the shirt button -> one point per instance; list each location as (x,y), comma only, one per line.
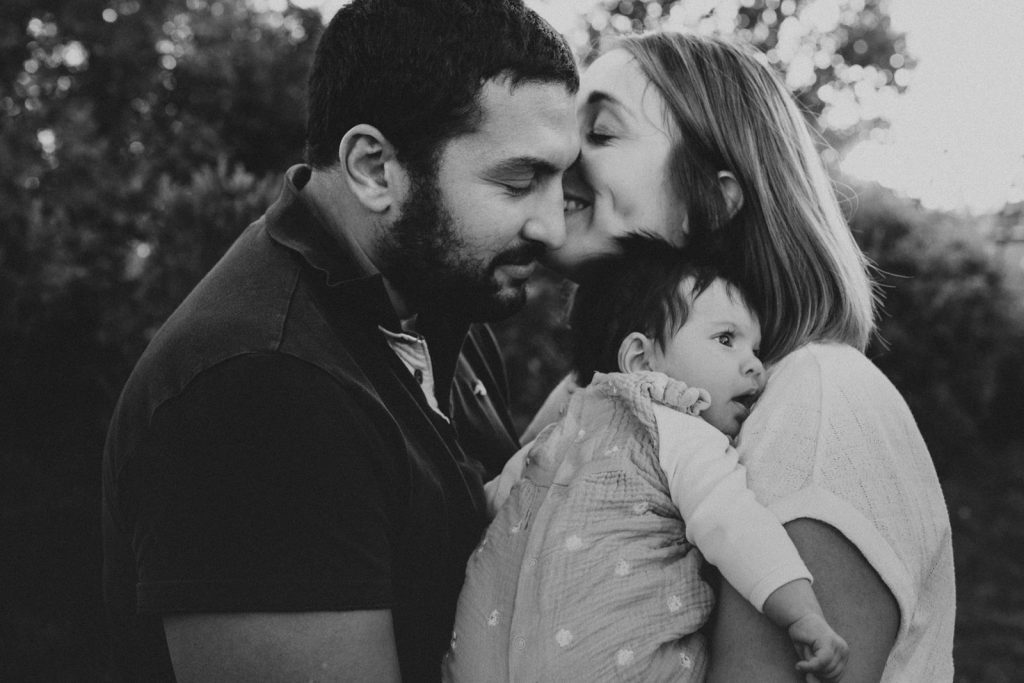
(418,374)
(531,562)
(519,643)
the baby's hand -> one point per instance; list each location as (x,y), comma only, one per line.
(823,651)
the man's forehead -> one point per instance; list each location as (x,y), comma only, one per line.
(528,120)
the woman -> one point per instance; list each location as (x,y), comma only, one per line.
(680,131)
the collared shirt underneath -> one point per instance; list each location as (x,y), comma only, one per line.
(411,349)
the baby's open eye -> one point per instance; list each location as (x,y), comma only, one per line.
(725,338)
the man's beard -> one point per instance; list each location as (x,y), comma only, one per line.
(429,263)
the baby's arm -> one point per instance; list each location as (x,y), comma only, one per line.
(740,536)
(794,607)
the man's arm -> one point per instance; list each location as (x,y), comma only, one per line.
(299,646)
(746,646)
(268,512)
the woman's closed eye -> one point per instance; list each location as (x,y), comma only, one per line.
(602,125)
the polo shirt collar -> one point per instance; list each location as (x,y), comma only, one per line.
(292,223)
(345,269)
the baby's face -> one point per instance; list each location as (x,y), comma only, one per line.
(717,350)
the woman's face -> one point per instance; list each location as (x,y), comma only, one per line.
(621,182)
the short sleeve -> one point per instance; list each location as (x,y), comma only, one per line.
(264,487)
(831,440)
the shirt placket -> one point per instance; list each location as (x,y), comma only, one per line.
(411,349)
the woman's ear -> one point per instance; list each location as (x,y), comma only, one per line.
(731,192)
(371,169)
(635,353)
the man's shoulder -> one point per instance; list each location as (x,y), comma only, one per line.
(253,310)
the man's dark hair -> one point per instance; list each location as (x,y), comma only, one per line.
(636,289)
(414,69)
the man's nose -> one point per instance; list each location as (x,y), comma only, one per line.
(547,224)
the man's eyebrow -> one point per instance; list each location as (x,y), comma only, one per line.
(520,164)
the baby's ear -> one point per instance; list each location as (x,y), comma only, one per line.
(635,353)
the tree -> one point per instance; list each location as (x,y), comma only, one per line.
(841,58)
(137,140)
(951,336)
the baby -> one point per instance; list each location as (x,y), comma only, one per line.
(589,571)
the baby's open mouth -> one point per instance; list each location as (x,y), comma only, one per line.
(748,399)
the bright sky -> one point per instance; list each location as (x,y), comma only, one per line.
(957,135)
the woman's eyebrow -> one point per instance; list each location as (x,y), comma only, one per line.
(598,97)
(601,98)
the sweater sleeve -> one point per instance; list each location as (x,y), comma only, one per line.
(732,530)
(831,440)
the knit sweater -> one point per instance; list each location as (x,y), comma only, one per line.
(832,440)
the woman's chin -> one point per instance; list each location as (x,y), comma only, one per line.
(582,243)
(565,261)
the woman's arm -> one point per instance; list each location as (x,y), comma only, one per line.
(746,646)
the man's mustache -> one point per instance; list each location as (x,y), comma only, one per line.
(521,255)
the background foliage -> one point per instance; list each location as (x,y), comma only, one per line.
(138,139)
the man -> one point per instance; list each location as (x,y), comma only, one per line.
(292,478)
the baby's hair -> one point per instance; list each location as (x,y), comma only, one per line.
(636,289)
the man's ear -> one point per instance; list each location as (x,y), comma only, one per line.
(635,353)
(731,191)
(371,169)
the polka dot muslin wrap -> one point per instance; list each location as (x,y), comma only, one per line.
(585,574)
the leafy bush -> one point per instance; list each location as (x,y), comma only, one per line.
(951,336)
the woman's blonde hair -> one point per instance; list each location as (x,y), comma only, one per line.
(807,277)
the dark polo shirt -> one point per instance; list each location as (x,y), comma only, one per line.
(270,453)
